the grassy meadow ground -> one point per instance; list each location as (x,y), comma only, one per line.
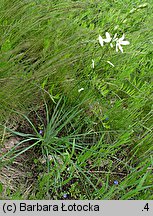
(76,118)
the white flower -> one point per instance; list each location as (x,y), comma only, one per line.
(120,42)
(93,63)
(81,89)
(106,40)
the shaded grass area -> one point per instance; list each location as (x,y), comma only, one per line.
(93,144)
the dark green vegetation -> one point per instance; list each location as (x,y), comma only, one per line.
(70,143)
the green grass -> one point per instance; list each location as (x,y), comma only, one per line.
(90,138)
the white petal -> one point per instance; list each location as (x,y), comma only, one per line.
(93,63)
(115,36)
(119,46)
(101,41)
(124,42)
(110,63)
(107,35)
(111,45)
(108,38)
(81,89)
(122,38)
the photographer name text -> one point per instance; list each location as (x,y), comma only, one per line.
(63,207)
